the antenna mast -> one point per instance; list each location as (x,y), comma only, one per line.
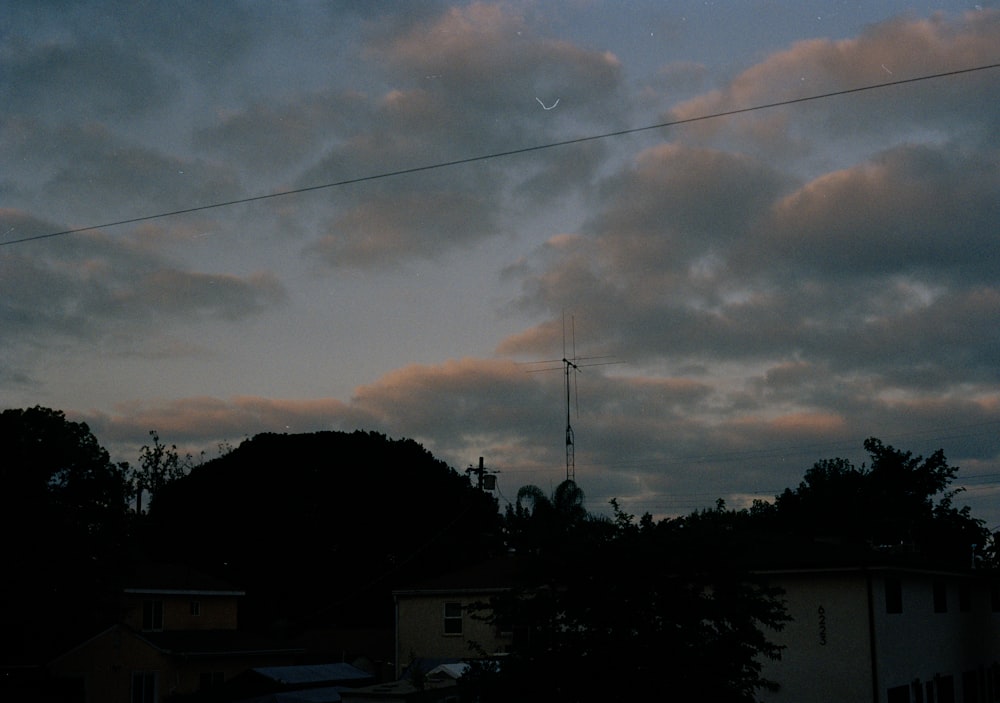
(567,365)
(571,365)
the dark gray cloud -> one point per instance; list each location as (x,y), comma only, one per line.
(82,286)
(776,285)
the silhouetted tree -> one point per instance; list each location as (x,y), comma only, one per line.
(158,466)
(898,501)
(64,517)
(610,607)
(287,517)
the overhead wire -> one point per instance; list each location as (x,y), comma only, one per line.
(501,154)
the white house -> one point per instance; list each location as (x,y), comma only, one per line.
(887,635)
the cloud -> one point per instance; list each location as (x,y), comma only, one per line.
(895,50)
(805,296)
(85,286)
(463,84)
(88,170)
(657,443)
(276,136)
(890,215)
(103,78)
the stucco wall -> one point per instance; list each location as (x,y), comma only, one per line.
(827,655)
(829,643)
(420,629)
(216,612)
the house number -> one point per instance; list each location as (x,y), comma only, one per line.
(822,626)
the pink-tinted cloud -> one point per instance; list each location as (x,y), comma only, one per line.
(891,51)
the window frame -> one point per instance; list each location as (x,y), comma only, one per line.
(452,624)
(939,588)
(144,687)
(893,595)
(152,615)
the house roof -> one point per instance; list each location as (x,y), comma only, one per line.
(487,576)
(313,674)
(162,579)
(195,643)
(769,553)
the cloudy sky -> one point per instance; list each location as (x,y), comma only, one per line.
(764,289)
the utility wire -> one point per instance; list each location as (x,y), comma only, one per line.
(501,154)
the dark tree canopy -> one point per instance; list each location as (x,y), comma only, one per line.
(898,501)
(64,515)
(322,526)
(609,607)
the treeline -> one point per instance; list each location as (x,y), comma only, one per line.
(316,528)
(319,528)
(607,606)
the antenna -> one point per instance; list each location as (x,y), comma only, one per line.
(570,366)
(567,365)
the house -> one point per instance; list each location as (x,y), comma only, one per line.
(886,633)
(866,626)
(177,634)
(435,619)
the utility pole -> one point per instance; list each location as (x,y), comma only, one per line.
(486,480)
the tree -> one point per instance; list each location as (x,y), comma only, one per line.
(158,466)
(63,511)
(899,500)
(656,605)
(277,512)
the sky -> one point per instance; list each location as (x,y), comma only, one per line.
(467,193)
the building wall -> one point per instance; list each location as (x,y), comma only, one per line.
(829,643)
(421,628)
(827,656)
(920,646)
(107,663)
(213,612)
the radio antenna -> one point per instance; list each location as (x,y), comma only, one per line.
(570,365)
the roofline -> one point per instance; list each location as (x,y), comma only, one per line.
(450,591)
(212,653)
(242,652)
(862,569)
(182,591)
(84,643)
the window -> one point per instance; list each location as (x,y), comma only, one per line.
(898,694)
(970,687)
(452,618)
(940,596)
(945,689)
(143,687)
(196,607)
(152,615)
(893,595)
(965,597)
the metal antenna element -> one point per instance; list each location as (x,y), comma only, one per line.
(570,443)
(570,363)
(567,365)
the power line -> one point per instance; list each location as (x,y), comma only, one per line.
(501,154)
